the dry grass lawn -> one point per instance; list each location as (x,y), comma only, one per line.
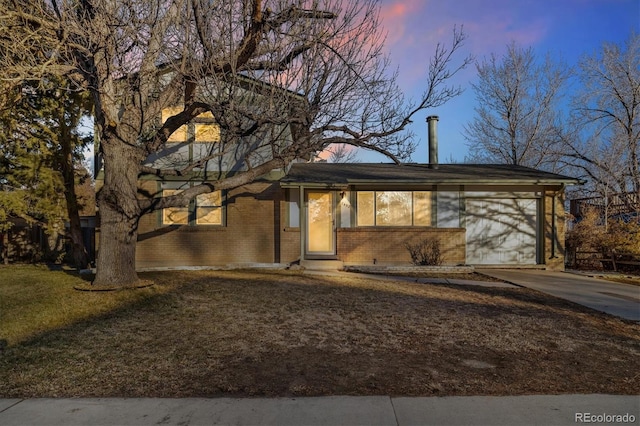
(248,333)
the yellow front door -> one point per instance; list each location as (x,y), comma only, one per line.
(320,223)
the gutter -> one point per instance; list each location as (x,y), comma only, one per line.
(339,185)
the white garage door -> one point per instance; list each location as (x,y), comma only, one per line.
(501,231)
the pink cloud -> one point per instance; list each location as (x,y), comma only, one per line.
(395,16)
(397,9)
(346,150)
(415,27)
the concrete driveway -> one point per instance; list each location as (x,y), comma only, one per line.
(622,300)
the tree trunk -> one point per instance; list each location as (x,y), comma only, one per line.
(4,247)
(115,264)
(119,212)
(79,255)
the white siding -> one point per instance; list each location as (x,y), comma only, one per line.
(502,231)
(448,207)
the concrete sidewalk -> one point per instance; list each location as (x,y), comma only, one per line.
(332,410)
(621,300)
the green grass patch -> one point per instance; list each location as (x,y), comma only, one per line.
(35,299)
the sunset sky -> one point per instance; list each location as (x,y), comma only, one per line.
(564,28)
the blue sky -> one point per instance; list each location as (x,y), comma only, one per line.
(565,29)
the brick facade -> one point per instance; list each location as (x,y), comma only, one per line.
(256,231)
(253,220)
(289,244)
(386,245)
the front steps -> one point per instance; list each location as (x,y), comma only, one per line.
(322,265)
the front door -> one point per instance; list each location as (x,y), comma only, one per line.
(320,223)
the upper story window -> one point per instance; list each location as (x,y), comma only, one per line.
(203,129)
(394,208)
(179,135)
(206,130)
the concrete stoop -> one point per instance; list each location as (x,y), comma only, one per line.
(322,265)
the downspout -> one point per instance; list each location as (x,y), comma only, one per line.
(554,225)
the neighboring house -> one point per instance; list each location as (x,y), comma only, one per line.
(358,214)
(26,242)
(29,241)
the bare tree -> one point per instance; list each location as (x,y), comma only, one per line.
(516,118)
(282,79)
(605,144)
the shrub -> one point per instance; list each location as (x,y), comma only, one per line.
(623,237)
(591,235)
(425,252)
(587,234)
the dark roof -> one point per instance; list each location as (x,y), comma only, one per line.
(388,173)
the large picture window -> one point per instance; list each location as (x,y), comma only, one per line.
(393,208)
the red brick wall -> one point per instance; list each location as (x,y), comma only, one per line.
(386,245)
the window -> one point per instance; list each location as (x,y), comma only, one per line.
(209,208)
(422,208)
(365,212)
(179,135)
(293,208)
(205,129)
(393,208)
(206,209)
(174,215)
(207,133)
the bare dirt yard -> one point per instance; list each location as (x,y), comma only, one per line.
(251,333)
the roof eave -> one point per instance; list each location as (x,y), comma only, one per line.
(537,182)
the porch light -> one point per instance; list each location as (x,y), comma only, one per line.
(344,200)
